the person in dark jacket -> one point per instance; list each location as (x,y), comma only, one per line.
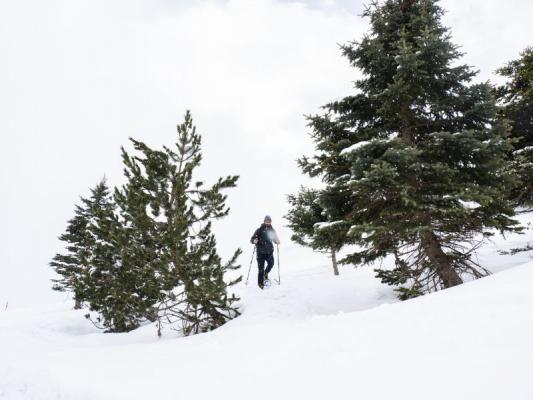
(263,238)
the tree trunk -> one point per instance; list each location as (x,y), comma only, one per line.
(440,260)
(77,304)
(334,262)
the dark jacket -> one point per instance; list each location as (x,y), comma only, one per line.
(266,235)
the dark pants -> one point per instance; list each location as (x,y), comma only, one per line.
(261,258)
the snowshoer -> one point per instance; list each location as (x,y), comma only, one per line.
(263,238)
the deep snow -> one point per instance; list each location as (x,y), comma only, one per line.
(316,336)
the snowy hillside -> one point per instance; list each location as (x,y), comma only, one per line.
(316,336)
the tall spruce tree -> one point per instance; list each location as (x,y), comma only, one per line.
(516,100)
(425,153)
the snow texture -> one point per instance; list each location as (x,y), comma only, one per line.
(470,205)
(316,336)
(523,150)
(354,147)
(324,225)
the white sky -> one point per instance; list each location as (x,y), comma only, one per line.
(78,77)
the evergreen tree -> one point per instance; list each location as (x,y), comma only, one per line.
(318,217)
(171,253)
(112,290)
(516,99)
(75,266)
(72,265)
(311,227)
(146,252)
(426,161)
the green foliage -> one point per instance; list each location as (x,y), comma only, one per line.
(305,213)
(311,223)
(516,99)
(73,265)
(415,159)
(312,218)
(153,255)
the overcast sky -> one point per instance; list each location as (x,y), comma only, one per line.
(77,78)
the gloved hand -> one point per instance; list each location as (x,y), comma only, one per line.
(256,240)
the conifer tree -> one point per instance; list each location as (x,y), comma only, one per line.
(426,156)
(310,225)
(112,290)
(72,265)
(516,99)
(147,252)
(75,266)
(171,248)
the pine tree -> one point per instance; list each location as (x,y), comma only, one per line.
(172,255)
(72,265)
(311,227)
(146,252)
(112,290)
(318,217)
(426,156)
(516,99)
(75,266)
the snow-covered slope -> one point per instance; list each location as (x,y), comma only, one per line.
(314,337)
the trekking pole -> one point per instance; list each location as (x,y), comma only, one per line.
(279,274)
(250,267)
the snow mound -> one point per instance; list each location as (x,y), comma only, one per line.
(316,336)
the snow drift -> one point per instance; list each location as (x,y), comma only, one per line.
(314,337)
